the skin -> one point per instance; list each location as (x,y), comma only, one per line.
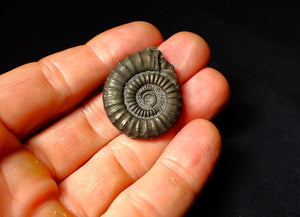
(60,155)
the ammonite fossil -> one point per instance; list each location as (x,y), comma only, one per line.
(141,95)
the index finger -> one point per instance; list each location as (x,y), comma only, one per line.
(37,93)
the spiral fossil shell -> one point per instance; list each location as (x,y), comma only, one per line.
(141,95)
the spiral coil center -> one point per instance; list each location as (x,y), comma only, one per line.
(144,99)
(150,96)
(149,99)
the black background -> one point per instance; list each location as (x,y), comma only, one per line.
(254,44)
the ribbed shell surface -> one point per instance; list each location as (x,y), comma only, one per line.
(141,95)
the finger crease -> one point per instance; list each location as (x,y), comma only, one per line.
(43,158)
(138,201)
(121,165)
(107,51)
(55,76)
(180,171)
(86,112)
(132,158)
(72,203)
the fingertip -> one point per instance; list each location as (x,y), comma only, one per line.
(200,132)
(114,44)
(147,28)
(220,91)
(188,52)
(223,84)
(206,94)
(210,135)
(191,41)
(196,148)
(144,30)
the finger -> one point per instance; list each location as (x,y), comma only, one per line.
(117,165)
(34,94)
(25,182)
(8,143)
(208,92)
(169,188)
(69,143)
(188,53)
(50,207)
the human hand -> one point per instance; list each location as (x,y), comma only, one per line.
(60,155)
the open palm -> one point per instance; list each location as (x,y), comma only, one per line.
(60,155)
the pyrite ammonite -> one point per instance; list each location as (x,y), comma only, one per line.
(141,95)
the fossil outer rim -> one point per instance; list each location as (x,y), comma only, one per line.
(152,101)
